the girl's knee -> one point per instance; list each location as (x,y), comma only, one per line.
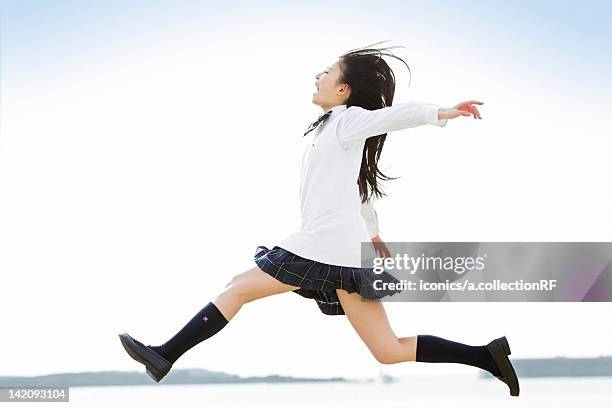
(240,287)
(385,356)
(386,352)
(235,287)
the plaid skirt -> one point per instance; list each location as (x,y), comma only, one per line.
(319,281)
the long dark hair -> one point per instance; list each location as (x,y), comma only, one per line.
(372,84)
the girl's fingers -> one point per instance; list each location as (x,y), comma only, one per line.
(472,109)
(467,110)
(470,102)
(467,106)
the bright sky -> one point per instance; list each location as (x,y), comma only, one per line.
(147,149)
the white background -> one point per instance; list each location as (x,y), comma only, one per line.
(145,151)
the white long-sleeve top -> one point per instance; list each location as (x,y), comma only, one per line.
(332,226)
(370,216)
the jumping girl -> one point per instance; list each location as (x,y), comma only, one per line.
(322,261)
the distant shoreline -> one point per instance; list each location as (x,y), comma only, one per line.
(527,367)
(560,367)
(178,376)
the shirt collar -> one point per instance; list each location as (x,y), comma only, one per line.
(337,108)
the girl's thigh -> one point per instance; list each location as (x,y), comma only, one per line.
(369,319)
(255,284)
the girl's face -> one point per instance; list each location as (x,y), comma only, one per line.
(329,92)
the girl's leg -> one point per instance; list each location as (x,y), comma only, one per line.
(369,320)
(243,288)
(246,287)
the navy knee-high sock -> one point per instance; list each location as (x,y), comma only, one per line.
(206,323)
(433,349)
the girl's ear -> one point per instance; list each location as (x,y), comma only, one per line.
(345,89)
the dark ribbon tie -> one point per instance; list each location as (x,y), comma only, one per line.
(317,122)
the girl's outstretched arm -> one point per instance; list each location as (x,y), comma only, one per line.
(357,124)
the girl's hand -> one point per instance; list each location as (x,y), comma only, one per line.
(462,109)
(380,247)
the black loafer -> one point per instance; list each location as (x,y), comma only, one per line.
(500,350)
(157,366)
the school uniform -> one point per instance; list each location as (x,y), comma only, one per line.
(325,254)
(370,216)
